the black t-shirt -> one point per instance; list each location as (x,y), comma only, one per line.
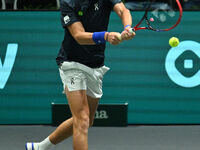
(94,15)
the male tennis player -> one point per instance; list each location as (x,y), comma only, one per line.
(81,64)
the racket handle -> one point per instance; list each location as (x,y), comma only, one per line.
(131,30)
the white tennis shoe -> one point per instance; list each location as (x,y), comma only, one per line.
(32,146)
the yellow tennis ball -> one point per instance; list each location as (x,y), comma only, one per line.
(173,42)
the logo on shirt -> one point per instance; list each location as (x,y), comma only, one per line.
(96,6)
(66,19)
(72,81)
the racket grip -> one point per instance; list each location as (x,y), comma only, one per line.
(131,30)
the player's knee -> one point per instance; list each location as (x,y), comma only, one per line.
(82,123)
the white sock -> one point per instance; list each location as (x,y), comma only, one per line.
(45,144)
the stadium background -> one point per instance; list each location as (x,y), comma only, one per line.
(137,74)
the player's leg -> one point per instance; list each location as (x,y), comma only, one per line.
(65,129)
(62,132)
(93,104)
(80,120)
(80,112)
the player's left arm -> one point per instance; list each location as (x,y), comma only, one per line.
(126,18)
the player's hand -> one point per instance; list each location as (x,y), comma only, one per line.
(114,38)
(127,35)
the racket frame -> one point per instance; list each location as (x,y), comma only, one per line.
(149,27)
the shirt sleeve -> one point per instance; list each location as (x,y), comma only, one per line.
(114,2)
(68,15)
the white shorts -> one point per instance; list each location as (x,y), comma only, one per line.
(76,76)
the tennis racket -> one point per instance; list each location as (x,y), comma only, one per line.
(159,17)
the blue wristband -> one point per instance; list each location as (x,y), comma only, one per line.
(98,37)
(127,26)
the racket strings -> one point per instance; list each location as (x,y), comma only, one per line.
(164,17)
(160,17)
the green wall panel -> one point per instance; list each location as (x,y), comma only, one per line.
(137,74)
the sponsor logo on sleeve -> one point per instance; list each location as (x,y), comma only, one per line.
(66,19)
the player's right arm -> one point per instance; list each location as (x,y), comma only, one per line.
(86,38)
(71,21)
(78,32)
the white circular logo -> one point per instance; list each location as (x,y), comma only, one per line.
(170,64)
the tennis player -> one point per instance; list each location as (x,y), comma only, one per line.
(81,64)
